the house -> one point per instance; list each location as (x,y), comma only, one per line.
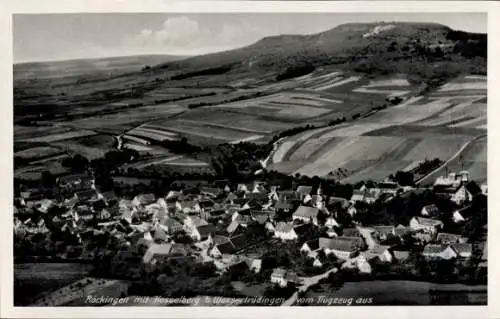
(143,200)
(401,230)
(453,179)
(331,222)
(430,210)
(384,232)
(44,205)
(439,251)
(83,212)
(284,205)
(466,193)
(231,246)
(306,214)
(170,225)
(447,238)
(303,191)
(158,253)
(337,203)
(366,195)
(76,181)
(86,195)
(388,187)
(351,232)
(212,192)
(426,224)
(423,236)
(283,277)
(108,197)
(360,263)
(221,249)
(202,232)
(191,222)
(287,231)
(311,247)
(400,255)
(462,214)
(235,228)
(379,251)
(462,250)
(341,247)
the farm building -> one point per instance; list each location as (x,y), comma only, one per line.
(426,224)
(158,253)
(466,193)
(433,251)
(306,214)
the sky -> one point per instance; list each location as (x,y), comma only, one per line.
(43,37)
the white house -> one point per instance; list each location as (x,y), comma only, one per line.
(439,251)
(466,193)
(285,231)
(282,277)
(306,214)
(379,251)
(331,222)
(461,215)
(426,224)
(430,210)
(359,263)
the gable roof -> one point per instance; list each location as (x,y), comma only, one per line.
(313,244)
(304,189)
(466,211)
(401,254)
(240,241)
(225,248)
(197,221)
(302,229)
(306,212)
(219,239)
(283,227)
(351,232)
(164,249)
(145,199)
(434,248)
(383,229)
(431,209)
(205,230)
(462,248)
(339,243)
(233,226)
(428,221)
(441,237)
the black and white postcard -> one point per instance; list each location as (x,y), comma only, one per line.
(223,155)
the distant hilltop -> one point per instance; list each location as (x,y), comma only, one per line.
(385,47)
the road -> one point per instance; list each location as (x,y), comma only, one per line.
(449,160)
(306,283)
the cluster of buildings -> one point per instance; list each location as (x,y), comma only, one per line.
(225,222)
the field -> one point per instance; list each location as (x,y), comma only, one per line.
(420,128)
(36,278)
(37,152)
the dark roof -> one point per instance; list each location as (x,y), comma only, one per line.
(462,248)
(431,209)
(288,195)
(239,242)
(313,244)
(206,204)
(445,189)
(206,230)
(86,194)
(99,205)
(466,212)
(351,232)
(214,191)
(233,226)
(451,238)
(434,248)
(110,195)
(261,196)
(302,229)
(219,239)
(386,230)
(473,188)
(225,248)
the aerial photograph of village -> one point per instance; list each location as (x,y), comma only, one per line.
(250,159)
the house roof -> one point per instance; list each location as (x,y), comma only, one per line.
(431,209)
(445,189)
(88,193)
(233,226)
(302,229)
(313,244)
(205,230)
(401,254)
(240,241)
(197,221)
(225,248)
(145,199)
(164,249)
(171,222)
(466,212)
(428,221)
(386,230)
(462,248)
(434,248)
(278,272)
(349,244)
(351,232)
(219,239)
(214,191)
(378,249)
(306,212)
(441,237)
(109,195)
(304,189)
(473,188)
(75,178)
(338,200)
(283,227)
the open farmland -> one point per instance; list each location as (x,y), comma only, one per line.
(37,152)
(420,128)
(127,119)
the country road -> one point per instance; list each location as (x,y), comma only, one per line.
(460,151)
(306,283)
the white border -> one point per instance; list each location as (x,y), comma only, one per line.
(61,6)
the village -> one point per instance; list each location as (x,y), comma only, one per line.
(236,227)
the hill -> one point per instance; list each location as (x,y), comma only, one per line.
(416,48)
(78,67)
